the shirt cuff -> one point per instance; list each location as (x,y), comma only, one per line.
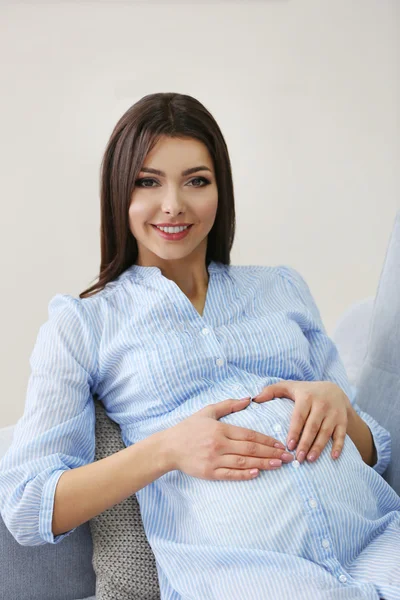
(380,435)
(47,509)
(382,441)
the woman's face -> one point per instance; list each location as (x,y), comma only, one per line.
(171,196)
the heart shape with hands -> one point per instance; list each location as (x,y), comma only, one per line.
(321,411)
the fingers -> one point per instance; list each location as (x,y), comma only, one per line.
(234,474)
(237,467)
(234,462)
(226,407)
(233,432)
(240,466)
(282,389)
(239,451)
(339,436)
(317,433)
(313,450)
(299,417)
(310,431)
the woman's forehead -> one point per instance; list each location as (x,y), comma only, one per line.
(172,154)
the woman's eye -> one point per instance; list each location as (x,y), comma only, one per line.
(148,182)
(201,179)
(142,182)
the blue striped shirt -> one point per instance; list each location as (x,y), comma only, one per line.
(329,529)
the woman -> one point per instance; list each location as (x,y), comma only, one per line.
(239,499)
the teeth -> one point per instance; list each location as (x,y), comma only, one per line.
(173,229)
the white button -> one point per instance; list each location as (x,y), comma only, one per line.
(296,464)
(325,543)
(312,503)
(220,362)
(277,428)
(205,331)
(342,578)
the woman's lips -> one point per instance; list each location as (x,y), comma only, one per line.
(173,236)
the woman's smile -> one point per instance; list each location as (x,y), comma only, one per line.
(175,235)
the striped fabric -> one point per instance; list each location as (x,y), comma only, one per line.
(323,530)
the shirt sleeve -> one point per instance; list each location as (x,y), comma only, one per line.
(328,366)
(57,429)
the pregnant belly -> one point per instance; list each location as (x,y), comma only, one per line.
(270,512)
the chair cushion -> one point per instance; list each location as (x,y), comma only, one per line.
(379,380)
(123,561)
(50,572)
(351,335)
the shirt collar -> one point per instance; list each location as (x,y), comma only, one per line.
(140,272)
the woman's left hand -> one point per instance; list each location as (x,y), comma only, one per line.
(321,411)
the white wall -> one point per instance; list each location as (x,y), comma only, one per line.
(306,93)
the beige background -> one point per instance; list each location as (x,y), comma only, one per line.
(307,94)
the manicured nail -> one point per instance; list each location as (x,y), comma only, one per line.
(275,462)
(336,454)
(287,457)
(279,445)
(312,456)
(301,455)
(292,444)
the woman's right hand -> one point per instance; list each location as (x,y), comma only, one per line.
(203,447)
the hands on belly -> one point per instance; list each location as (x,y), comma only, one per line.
(203,447)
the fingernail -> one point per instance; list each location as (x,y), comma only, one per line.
(292,444)
(312,456)
(279,445)
(286,456)
(336,454)
(301,455)
(275,462)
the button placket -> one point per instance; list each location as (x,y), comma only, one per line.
(322,544)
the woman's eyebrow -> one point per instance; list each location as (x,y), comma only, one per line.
(186,172)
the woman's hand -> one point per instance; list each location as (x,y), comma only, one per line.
(203,447)
(321,410)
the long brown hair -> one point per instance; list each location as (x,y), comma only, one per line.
(135,134)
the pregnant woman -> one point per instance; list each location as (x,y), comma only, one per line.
(276,497)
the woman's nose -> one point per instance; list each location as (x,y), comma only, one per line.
(172,203)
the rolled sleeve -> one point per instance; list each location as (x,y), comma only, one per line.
(382,441)
(57,430)
(380,435)
(47,508)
